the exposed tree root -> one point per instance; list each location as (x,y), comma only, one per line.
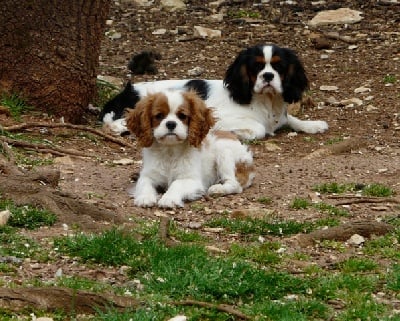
(345,146)
(220,307)
(345,231)
(39,188)
(100,133)
(67,300)
(43,148)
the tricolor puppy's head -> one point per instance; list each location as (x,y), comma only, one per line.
(170,117)
(266,69)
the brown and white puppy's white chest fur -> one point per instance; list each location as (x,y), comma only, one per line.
(180,153)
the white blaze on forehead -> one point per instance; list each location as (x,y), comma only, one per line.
(175,100)
(267,51)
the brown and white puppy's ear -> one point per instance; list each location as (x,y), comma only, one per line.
(201,119)
(138,121)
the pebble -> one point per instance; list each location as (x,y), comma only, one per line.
(178,318)
(356,239)
(328,88)
(4,216)
(360,90)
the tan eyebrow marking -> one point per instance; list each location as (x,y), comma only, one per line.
(260,59)
(275,59)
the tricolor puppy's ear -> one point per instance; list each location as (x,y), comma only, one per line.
(138,121)
(295,80)
(201,118)
(237,79)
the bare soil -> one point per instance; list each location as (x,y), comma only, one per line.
(288,165)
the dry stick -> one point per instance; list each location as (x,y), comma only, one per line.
(336,36)
(43,148)
(358,199)
(71,126)
(220,307)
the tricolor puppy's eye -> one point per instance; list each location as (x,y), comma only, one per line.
(182,116)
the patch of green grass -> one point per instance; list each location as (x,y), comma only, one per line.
(27,216)
(185,235)
(389,79)
(113,247)
(362,307)
(264,200)
(375,189)
(358,265)
(386,246)
(243,14)
(16,104)
(300,203)
(393,278)
(333,188)
(265,253)
(253,142)
(81,283)
(330,209)
(16,245)
(334,140)
(260,227)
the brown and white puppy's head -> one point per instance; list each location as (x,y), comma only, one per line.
(170,117)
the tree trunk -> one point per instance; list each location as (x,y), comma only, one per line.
(49,53)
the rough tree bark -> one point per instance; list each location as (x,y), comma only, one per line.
(49,53)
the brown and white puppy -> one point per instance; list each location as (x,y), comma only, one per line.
(180,153)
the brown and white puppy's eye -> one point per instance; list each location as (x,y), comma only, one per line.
(182,116)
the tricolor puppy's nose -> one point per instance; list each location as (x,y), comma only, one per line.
(268,76)
(170,125)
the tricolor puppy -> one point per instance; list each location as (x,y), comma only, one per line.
(181,155)
(251,101)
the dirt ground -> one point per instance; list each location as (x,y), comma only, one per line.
(287,165)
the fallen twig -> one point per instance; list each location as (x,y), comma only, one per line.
(100,133)
(337,36)
(353,199)
(220,307)
(43,148)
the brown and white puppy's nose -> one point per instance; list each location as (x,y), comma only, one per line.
(171,125)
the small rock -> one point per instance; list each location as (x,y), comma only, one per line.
(331,100)
(44,319)
(161,31)
(195,72)
(321,43)
(59,273)
(328,88)
(113,35)
(351,101)
(370,108)
(338,16)
(213,229)
(195,225)
(214,249)
(173,5)
(361,90)
(4,216)
(178,318)
(356,239)
(271,147)
(124,161)
(352,47)
(206,32)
